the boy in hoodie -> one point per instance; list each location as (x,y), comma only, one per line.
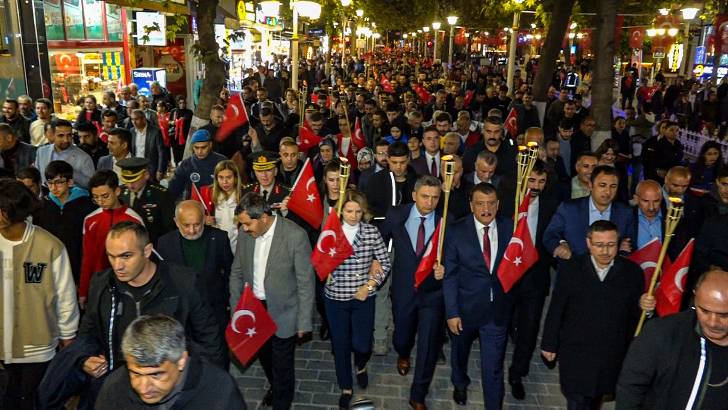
(105,192)
(63,210)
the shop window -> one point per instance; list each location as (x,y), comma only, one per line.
(113,22)
(73,19)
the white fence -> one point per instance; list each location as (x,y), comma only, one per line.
(692,141)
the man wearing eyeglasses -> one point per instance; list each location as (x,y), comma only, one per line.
(592,316)
(105,192)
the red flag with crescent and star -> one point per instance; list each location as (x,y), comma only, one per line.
(429,258)
(386,84)
(235,116)
(307,139)
(636,34)
(305,200)
(672,283)
(421,92)
(332,247)
(250,327)
(468,98)
(358,136)
(647,257)
(520,254)
(511,123)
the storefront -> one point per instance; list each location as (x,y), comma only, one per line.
(86,50)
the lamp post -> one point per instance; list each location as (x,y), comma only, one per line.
(451,20)
(688,14)
(305,8)
(436,26)
(512,48)
(344,26)
(425,30)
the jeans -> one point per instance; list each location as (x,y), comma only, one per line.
(351,324)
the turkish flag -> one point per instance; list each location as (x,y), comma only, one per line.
(429,258)
(672,283)
(511,123)
(386,85)
(250,327)
(358,136)
(163,121)
(235,116)
(520,253)
(424,95)
(636,35)
(647,257)
(307,139)
(468,97)
(179,130)
(305,200)
(332,247)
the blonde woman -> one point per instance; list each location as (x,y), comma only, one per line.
(350,292)
(220,199)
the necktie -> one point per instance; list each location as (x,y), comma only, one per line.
(486,247)
(132,198)
(420,246)
(433,168)
(265,194)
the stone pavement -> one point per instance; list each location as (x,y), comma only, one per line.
(316,382)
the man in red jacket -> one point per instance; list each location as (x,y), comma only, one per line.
(105,191)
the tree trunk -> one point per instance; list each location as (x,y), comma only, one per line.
(214,77)
(602,80)
(551,46)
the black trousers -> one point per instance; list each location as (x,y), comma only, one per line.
(277,356)
(18,384)
(528,307)
(580,402)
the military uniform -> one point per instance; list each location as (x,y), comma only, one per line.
(265,161)
(153,203)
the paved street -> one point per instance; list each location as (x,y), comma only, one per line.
(316,383)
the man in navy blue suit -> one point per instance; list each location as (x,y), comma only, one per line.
(475,304)
(565,234)
(417,312)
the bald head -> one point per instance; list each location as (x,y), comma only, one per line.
(648,196)
(711,305)
(534,134)
(190,219)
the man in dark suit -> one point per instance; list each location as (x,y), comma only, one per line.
(564,236)
(429,163)
(418,313)
(592,316)
(459,205)
(147,143)
(530,292)
(206,250)
(649,220)
(486,163)
(475,304)
(379,189)
(272,255)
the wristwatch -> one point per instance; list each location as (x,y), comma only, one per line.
(370,287)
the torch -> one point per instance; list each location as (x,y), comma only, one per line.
(448,171)
(527,155)
(344,172)
(673,218)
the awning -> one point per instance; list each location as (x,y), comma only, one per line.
(171,7)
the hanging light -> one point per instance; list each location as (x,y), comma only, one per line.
(651,32)
(269,8)
(405,35)
(689,13)
(571,36)
(573,25)
(452,20)
(436,25)
(426,29)
(307,8)
(672,32)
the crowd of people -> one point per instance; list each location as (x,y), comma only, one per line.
(127,239)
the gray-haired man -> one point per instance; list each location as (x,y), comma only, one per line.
(159,371)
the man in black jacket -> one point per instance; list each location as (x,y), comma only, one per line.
(592,316)
(133,286)
(11,116)
(206,250)
(681,361)
(160,371)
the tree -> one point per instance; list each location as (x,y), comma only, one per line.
(558,23)
(207,51)
(602,79)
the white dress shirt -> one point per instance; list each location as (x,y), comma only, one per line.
(602,273)
(350,231)
(493,236)
(431,158)
(260,260)
(140,140)
(533,218)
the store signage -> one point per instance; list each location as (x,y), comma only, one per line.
(658,53)
(316,32)
(143,78)
(147,21)
(699,55)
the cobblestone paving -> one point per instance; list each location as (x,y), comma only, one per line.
(316,383)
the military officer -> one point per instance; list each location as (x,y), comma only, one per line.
(150,200)
(265,168)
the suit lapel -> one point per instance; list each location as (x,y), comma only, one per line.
(475,241)
(275,245)
(502,242)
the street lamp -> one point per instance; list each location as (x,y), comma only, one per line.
(304,8)
(451,20)
(346,3)
(436,26)
(688,14)
(360,13)
(512,48)
(269,8)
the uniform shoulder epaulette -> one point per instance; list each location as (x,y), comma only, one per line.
(248,186)
(159,187)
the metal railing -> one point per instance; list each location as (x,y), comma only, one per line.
(692,142)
